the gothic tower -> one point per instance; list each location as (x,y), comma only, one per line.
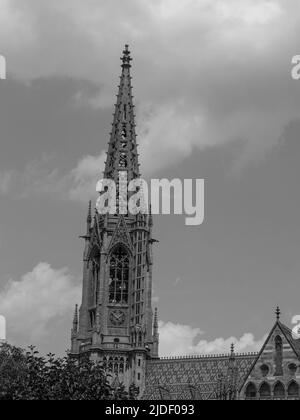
(115,323)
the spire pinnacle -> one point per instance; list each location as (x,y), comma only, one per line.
(122,156)
(88,221)
(75,321)
(232,349)
(89,216)
(150,217)
(278,313)
(155,324)
(126,59)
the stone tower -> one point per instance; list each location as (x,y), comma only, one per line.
(115,323)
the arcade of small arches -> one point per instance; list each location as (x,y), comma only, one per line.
(138,337)
(117,365)
(278,391)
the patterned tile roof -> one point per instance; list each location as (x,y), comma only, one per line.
(191,377)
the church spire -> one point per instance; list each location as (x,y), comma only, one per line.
(122,152)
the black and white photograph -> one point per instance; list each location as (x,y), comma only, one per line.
(150,203)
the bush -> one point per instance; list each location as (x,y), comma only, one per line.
(28,376)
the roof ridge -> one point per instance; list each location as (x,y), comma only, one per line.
(289,336)
(207,356)
(284,326)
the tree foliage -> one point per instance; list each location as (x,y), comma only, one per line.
(26,375)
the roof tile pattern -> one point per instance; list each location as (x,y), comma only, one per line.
(191,378)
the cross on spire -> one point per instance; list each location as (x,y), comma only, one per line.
(278,313)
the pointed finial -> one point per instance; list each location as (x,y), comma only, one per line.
(155,324)
(150,216)
(126,59)
(89,217)
(75,322)
(278,313)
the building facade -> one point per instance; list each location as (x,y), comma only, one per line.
(116,323)
(275,373)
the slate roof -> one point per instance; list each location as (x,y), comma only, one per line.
(185,378)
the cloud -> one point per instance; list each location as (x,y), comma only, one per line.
(38,299)
(16,26)
(206,74)
(41,177)
(178,281)
(85,177)
(155,300)
(166,132)
(6,180)
(250,12)
(179,340)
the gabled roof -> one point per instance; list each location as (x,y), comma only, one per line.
(121,235)
(289,337)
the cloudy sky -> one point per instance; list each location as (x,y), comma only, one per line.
(215,100)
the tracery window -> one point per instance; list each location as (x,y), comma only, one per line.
(119,277)
(278,356)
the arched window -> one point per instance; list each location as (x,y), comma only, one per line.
(293,390)
(278,356)
(250,392)
(279,391)
(119,277)
(265,391)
